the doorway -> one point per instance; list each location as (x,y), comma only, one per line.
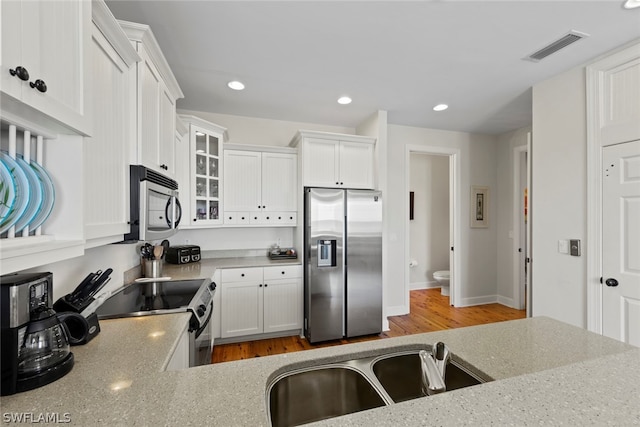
(452,241)
(521,231)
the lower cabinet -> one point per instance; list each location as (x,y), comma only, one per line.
(180,358)
(260,300)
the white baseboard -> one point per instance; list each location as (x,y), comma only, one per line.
(397,310)
(385,325)
(509,302)
(487,299)
(423,285)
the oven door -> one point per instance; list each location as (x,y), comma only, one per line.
(201,342)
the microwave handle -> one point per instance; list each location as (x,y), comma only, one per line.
(169,217)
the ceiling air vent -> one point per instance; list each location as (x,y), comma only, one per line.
(553,47)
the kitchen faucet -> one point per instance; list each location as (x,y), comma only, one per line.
(434,364)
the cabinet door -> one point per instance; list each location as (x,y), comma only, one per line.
(242,180)
(279,182)
(148,112)
(167,138)
(320,162)
(205,176)
(241,308)
(282,305)
(356,165)
(106,153)
(54,41)
(216,316)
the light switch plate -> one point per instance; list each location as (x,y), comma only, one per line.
(575,247)
(563,246)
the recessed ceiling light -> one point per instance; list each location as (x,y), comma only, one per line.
(344,100)
(631,4)
(440,107)
(236,85)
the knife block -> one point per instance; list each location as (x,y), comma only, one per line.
(94,327)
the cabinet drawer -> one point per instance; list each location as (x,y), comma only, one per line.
(282,272)
(241,275)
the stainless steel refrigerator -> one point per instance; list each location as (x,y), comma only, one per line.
(343,263)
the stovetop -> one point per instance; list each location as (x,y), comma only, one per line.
(142,299)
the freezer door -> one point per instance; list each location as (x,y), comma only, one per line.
(324,272)
(363,263)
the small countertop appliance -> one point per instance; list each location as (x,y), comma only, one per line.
(35,339)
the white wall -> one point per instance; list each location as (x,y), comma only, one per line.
(558,199)
(429,229)
(504,214)
(257,131)
(477,271)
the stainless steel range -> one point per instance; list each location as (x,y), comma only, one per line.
(173,296)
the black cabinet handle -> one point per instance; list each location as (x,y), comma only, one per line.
(242,275)
(342,183)
(242,217)
(260,285)
(337,183)
(195,219)
(279,217)
(20,72)
(265,285)
(263,207)
(283,272)
(165,167)
(267,217)
(40,85)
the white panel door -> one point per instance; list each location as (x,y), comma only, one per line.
(279,182)
(620,112)
(241,308)
(356,165)
(242,181)
(282,305)
(621,242)
(320,162)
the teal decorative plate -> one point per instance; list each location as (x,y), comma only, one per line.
(7,193)
(48,196)
(22,191)
(35,191)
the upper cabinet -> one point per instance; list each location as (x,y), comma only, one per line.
(335,160)
(157,91)
(44,77)
(260,186)
(199,178)
(614,96)
(107,152)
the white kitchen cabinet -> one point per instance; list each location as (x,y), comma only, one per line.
(200,183)
(614,83)
(107,151)
(335,160)
(180,357)
(44,71)
(157,92)
(216,316)
(259,300)
(260,187)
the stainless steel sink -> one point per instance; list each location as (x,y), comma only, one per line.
(330,390)
(400,376)
(318,393)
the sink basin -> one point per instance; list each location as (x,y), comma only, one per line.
(400,375)
(317,393)
(330,390)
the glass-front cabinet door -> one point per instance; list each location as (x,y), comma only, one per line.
(206,155)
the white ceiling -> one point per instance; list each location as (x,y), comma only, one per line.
(297,58)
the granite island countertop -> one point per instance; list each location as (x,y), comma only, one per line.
(545,372)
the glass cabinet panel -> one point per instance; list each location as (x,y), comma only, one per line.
(205,176)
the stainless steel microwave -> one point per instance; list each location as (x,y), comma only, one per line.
(155,209)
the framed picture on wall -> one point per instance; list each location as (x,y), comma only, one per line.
(479,207)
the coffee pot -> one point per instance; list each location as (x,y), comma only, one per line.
(45,349)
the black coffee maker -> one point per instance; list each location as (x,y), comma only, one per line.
(35,339)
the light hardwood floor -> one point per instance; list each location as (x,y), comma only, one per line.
(430,311)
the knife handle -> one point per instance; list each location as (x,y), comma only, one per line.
(76,292)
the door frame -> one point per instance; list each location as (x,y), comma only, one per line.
(455,225)
(518,223)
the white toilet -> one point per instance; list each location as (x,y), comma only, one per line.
(442,277)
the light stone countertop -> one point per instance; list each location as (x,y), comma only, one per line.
(546,372)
